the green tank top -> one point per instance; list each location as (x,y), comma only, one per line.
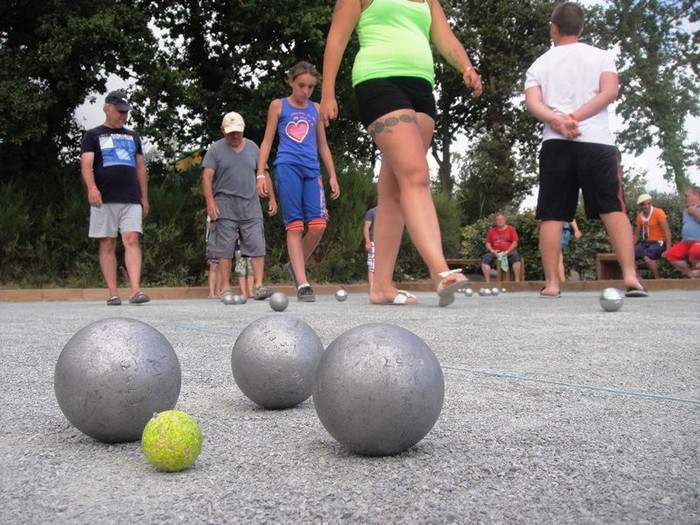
(394,41)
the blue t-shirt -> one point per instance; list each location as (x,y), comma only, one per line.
(296,129)
(691,227)
(115,162)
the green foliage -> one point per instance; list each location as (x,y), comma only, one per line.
(173,235)
(580,255)
(15,229)
(474,238)
(658,70)
(502,39)
(214,56)
(219,56)
(341,256)
(52,56)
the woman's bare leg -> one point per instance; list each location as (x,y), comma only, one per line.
(404,197)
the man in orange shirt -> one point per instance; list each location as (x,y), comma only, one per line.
(652,236)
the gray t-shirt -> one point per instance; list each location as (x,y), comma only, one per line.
(234,180)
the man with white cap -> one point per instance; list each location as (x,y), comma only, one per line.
(229,186)
(652,235)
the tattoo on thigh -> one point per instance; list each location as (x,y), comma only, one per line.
(379,126)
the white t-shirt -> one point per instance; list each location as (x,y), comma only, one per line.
(569,76)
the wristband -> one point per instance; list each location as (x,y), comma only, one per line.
(260,177)
(466,68)
(92,187)
(573,117)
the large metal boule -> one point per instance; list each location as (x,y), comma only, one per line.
(379,389)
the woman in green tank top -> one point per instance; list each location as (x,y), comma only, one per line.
(393,76)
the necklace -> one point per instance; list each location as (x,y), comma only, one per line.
(645,223)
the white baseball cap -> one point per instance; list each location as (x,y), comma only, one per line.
(232,122)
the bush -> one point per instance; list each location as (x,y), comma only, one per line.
(44,243)
(580,256)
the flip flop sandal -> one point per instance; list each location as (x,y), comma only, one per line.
(446,292)
(114,301)
(402,299)
(139,298)
(636,292)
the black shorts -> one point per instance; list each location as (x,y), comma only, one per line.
(379,96)
(567,167)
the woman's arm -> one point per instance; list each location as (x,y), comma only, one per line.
(451,48)
(345,17)
(325,153)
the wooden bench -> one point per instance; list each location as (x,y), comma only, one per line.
(454,264)
(476,263)
(510,275)
(607,267)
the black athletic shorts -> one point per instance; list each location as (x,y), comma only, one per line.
(379,96)
(565,168)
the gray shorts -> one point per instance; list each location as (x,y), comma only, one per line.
(112,218)
(224,232)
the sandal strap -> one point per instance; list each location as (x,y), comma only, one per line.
(442,275)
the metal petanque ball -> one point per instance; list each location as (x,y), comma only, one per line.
(503,290)
(468,292)
(112,375)
(274,360)
(239,299)
(379,389)
(482,292)
(228,299)
(494,291)
(341,295)
(487,292)
(279,302)
(611,299)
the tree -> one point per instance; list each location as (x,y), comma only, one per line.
(503,38)
(658,68)
(53,55)
(219,56)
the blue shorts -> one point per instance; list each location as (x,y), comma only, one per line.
(300,192)
(651,249)
(565,238)
(489,258)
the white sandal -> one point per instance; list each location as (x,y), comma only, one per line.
(446,292)
(402,298)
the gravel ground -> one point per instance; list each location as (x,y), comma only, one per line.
(555,412)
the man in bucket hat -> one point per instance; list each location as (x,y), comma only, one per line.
(652,235)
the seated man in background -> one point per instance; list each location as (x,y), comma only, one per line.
(689,246)
(502,244)
(652,236)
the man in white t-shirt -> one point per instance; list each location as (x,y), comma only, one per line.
(569,88)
